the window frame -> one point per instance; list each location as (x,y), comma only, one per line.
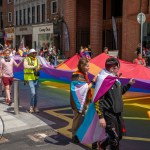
(9,16)
(9,1)
(52,2)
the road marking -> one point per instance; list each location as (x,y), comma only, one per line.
(136,138)
(136,118)
(52,87)
(136,98)
(66,130)
(139,105)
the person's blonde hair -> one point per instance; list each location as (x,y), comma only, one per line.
(82,63)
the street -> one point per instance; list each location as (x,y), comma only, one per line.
(54,106)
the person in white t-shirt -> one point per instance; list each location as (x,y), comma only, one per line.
(6,73)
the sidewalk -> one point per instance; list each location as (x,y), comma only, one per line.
(22,121)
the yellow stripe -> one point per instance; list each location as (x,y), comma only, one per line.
(137,98)
(136,118)
(136,138)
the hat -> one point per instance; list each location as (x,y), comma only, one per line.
(32,51)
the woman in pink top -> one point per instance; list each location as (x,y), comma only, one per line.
(6,73)
(139,60)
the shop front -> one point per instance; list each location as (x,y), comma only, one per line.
(23,33)
(42,36)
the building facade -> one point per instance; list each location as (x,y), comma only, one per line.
(27,15)
(90,23)
(69,24)
(38,22)
(7,22)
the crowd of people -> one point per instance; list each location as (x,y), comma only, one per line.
(31,73)
(107,99)
(50,54)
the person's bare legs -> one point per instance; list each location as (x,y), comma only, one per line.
(7,90)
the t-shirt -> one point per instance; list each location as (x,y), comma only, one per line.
(7,67)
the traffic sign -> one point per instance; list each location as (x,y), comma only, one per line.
(141,18)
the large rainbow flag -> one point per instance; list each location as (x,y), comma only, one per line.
(128,70)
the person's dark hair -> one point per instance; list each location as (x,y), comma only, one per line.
(138,52)
(82,63)
(111,62)
(105,48)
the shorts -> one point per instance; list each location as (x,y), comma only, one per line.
(7,80)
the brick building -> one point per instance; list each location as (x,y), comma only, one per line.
(90,23)
(73,23)
(7,21)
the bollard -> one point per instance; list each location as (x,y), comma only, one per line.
(16,96)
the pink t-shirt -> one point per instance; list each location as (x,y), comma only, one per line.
(7,67)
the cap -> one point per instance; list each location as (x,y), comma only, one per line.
(32,51)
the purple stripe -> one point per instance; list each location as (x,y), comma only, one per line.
(105,86)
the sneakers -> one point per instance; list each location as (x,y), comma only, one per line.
(33,110)
(36,110)
(75,139)
(94,146)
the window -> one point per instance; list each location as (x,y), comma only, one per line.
(1,20)
(20,17)
(53,7)
(38,13)
(28,15)
(33,14)
(24,16)
(16,18)
(10,17)
(1,2)
(9,1)
(116,8)
(43,12)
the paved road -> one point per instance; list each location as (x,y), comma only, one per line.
(54,106)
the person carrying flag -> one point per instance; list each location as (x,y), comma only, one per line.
(31,75)
(80,95)
(103,120)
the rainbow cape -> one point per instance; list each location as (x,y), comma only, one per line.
(90,130)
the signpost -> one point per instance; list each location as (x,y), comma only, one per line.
(141,18)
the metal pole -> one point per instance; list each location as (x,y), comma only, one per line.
(141,25)
(16,96)
(141,35)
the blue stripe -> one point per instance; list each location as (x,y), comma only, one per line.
(87,122)
(75,98)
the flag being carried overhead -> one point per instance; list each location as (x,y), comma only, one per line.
(114,30)
(21,46)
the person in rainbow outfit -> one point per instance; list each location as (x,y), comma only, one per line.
(103,120)
(80,95)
